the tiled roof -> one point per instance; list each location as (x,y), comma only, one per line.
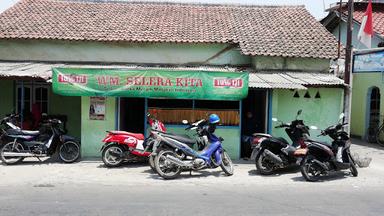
(377,17)
(288,31)
(359,11)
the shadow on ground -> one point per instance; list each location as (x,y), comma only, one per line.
(277,173)
(363,143)
(332,176)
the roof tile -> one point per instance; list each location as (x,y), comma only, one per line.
(288,31)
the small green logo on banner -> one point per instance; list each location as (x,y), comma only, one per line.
(150,83)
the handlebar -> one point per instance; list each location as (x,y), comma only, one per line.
(195,125)
(282,125)
(333,127)
(52,121)
(7,118)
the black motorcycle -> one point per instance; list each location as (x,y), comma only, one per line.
(8,122)
(321,158)
(49,139)
(272,153)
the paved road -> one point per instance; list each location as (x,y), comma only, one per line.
(88,188)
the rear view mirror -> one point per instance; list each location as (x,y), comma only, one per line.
(341,116)
(185,121)
(299,112)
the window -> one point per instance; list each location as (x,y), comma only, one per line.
(35,94)
(41,98)
(171,111)
(27,98)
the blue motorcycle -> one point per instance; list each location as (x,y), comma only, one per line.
(178,155)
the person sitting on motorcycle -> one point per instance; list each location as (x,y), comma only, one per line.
(210,128)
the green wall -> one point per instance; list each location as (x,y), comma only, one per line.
(6,97)
(69,106)
(135,53)
(321,112)
(361,83)
(58,105)
(93,131)
(231,136)
(266,63)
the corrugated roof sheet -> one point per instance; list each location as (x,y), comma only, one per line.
(263,80)
(292,80)
(43,70)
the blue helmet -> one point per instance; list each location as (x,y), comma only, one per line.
(213,119)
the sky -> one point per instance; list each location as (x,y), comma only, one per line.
(315,7)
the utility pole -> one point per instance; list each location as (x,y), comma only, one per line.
(348,66)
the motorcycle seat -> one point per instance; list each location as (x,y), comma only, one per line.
(322,143)
(136,135)
(282,140)
(22,132)
(182,138)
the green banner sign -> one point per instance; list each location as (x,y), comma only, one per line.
(150,83)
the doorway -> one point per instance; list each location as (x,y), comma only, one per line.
(373,112)
(253,118)
(132,111)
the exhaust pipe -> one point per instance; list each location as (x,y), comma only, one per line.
(22,154)
(276,159)
(177,161)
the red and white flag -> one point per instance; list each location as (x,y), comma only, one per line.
(366,28)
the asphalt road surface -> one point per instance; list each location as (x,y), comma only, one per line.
(89,188)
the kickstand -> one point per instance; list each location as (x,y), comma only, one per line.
(39,159)
(190,172)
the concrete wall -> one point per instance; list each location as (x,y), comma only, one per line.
(69,106)
(93,131)
(356,43)
(57,105)
(153,53)
(362,82)
(7,97)
(261,63)
(321,112)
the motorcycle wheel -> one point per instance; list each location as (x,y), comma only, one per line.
(111,160)
(353,168)
(69,152)
(263,165)
(214,164)
(165,168)
(226,163)
(8,148)
(379,136)
(151,161)
(310,171)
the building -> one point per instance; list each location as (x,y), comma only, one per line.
(367,105)
(336,22)
(368,87)
(285,51)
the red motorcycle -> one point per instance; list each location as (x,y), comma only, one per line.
(120,146)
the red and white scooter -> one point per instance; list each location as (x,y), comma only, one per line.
(120,146)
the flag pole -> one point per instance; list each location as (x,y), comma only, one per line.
(348,66)
(339,41)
